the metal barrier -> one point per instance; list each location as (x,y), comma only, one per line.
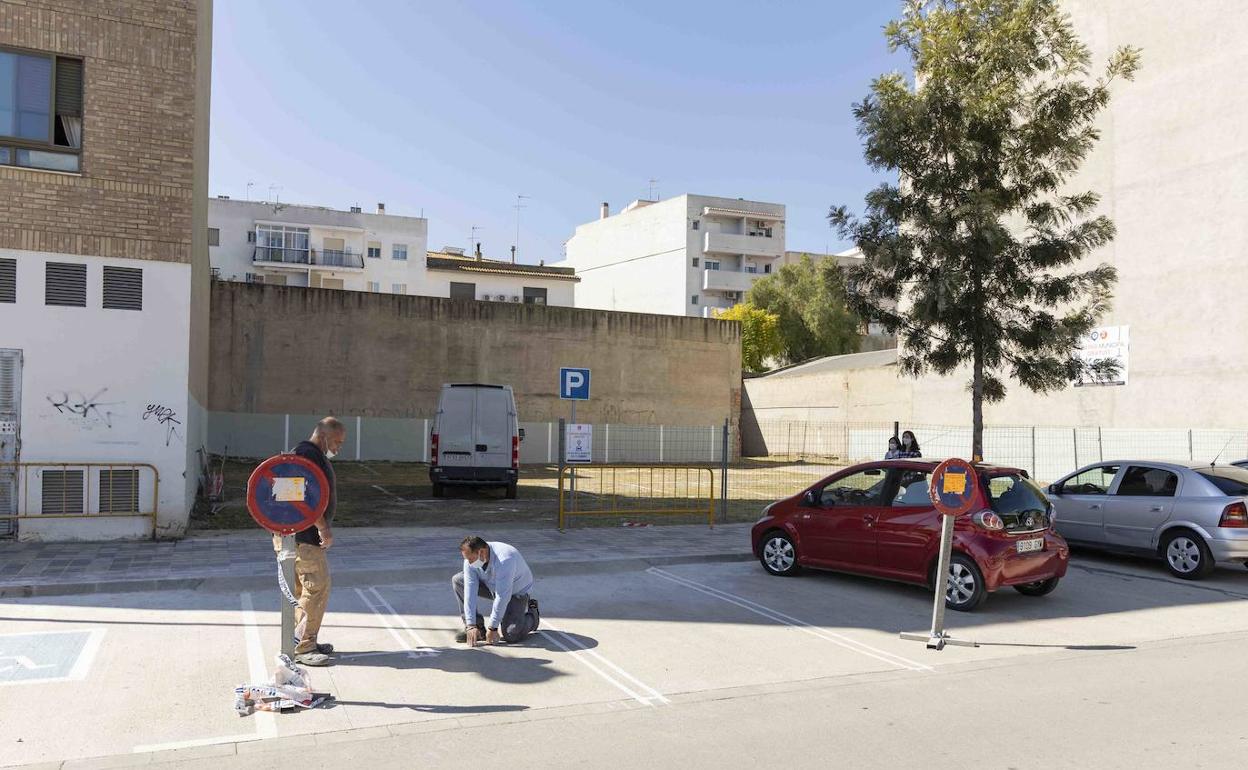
(636,490)
(117,496)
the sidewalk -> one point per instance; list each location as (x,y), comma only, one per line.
(241,560)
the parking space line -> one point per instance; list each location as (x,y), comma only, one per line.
(581,653)
(788,620)
(392,620)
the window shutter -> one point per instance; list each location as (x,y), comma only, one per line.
(62,492)
(8,383)
(123,288)
(8,280)
(214,236)
(119,491)
(69,87)
(65,285)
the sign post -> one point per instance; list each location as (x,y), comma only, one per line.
(287,494)
(574,386)
(953,492)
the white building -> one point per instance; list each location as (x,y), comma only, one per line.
(451,273)
(315,246)
(689,255)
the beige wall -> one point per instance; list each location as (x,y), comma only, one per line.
(313,351)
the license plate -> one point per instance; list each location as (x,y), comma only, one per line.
(1028,546)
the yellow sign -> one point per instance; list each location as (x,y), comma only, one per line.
(289,490)
(953,484)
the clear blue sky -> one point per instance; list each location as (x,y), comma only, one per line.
(454,108)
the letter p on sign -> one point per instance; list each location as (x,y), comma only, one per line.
(574,384)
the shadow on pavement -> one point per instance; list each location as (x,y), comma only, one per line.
(509,669)
(427,708)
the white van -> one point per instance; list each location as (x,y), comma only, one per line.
(475,439)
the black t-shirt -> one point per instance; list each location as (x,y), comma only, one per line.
(311,451)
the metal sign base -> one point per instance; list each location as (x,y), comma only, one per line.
(936,639)
(286,559)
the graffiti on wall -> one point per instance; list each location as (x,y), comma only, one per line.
(87,412)
(166,417)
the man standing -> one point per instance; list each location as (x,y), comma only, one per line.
(311,567)
(494,571)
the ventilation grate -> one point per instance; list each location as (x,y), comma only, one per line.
(8,280)
(62,492)
(66,285)
(119,491)
(123,288)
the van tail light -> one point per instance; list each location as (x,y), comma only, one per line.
(989,520)
(515,452)
(1235,516)
(433,449)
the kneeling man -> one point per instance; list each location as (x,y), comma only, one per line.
(494,571)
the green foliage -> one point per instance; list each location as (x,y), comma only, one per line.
(810,303)
(982,242)
(760,334)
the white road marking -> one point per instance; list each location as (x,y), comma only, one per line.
(582,653)
(266,721)
(393,622)
(85,658)
(82,666)
(788,620)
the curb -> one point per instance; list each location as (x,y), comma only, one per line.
(348,577)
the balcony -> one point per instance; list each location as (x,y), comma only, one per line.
(728,280)
(749,245)
(275,255)
(329,259)
(337,258)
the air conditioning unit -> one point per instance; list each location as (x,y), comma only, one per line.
(501,297)
(486,298)
(514,298)
(539,300)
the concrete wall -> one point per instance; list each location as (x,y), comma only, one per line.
(314,351)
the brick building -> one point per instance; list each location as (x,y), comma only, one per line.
(104,110)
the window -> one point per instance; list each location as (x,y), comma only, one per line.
(251,236)
(751,268)
(1094,481)
(123,288)
(399,288)
(1231,481)
(861,488)
(119,491)
(61,491)
(767,268)
(913,489)
(534,296)
(40,110)
(374,286)
(8,280)
(693,300)
(463,290)
(695,261)
(214,236)
(758,228)
(278,243)
(1140,481)
(399,251)
(374,250)
(65,285)
(695,224)
(712,264)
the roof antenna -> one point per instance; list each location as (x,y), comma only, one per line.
(1215,460)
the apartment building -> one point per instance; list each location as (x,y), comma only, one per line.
(689,255)
(104,111)
(296,245)
(453,274)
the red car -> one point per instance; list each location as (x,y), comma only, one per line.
(877,519)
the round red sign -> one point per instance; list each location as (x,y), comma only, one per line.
(953,487)
(287,494)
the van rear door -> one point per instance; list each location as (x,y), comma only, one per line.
(492,428)
(455,432)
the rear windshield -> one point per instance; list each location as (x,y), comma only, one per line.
(1011,493)
(1232,481)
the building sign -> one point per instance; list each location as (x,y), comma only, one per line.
(1106,342)
(580,446)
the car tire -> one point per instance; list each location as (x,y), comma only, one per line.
(964,587)
(511,491)
(1038,588)
(778,554)
(439,490)
(1187,556)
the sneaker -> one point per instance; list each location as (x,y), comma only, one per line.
(536,613)
(315,659)
(324,649)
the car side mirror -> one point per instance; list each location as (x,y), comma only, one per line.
(522,434)
(811,499)
(1053,489)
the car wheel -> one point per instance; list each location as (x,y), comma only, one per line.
(439,490)
(1187,556)
(511,491)
(964,586)
(1038,588)
(778,554)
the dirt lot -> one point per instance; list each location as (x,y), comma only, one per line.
(399,494)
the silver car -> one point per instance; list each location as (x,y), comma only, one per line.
(1192,515)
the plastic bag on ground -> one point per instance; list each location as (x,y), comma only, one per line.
(291,687)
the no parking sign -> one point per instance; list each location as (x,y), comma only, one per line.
(953,486)
(287,494)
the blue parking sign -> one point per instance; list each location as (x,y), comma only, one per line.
(574,384)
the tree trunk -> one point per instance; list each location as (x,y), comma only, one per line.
(977,407)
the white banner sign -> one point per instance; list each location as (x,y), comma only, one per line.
(1112,342)
(580,446)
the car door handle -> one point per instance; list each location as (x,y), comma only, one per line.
(868,518)
(1095,506)
(1156,509)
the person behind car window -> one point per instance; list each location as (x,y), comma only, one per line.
(894,449)
(909,445)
